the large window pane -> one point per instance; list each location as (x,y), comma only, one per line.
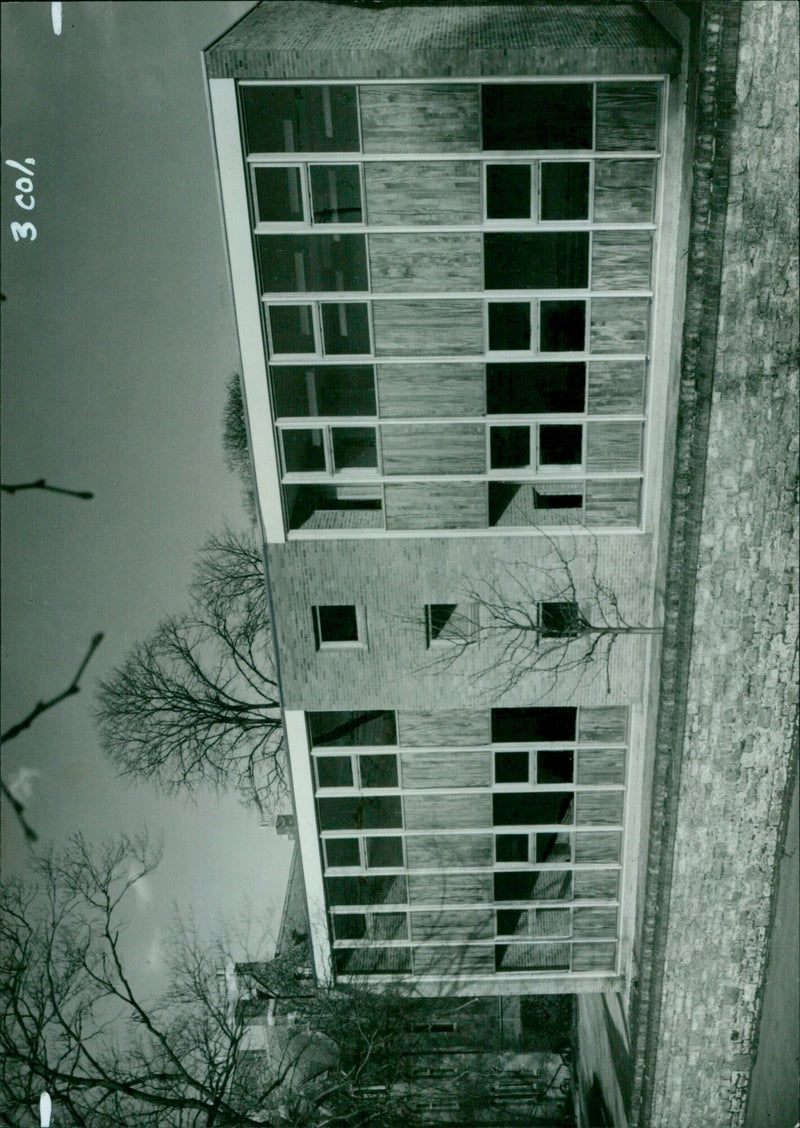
(345,328)
(291,329)
(303,451)
(533,724)
(509,326)
(311,263)
(508,191)
(565,190)
(336,194)
(530,808)
(533,389)
(279,195)
(537,116)
(299,119)
(530,260)
(378,812)
(331,389)
(352,728)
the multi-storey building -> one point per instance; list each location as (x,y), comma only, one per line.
(453,238)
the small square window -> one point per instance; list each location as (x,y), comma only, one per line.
(508,191)
(336,625)
(385,853)
(564,190)
(511,767)
(559,620)
(303,450)
(349,926)
(560,446)
(354,448)
(510,447)
(345,328)
(509,326)
(279,195)
(378,771)
(512,922)
(562,326)
(511,847)
(447,623)
(291,329)
(342,852)
(336,193)
(553,848)
(334,771)
(554,767)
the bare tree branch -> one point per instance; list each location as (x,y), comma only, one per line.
(41,484)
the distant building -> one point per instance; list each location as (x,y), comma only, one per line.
(452,231)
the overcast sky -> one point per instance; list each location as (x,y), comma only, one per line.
(118,337)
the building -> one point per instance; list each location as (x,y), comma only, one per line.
(452,233)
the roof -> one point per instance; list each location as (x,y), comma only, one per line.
(294,919)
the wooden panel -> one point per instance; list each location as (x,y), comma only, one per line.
(412,193)
(401,264)
(445,726)
(613,446)
(606,724)
(624,191)
(621,260)
(601,765)
(594,957)
(616,387)
(409,390)
(420,118)
(596,885)
(453,960)
(450,889)
(551,922)
(613,504)
(439,327)
(595,923)
(474,924)
(598,846)
(627,116)
(446,769)
(448,851)
(619,325)
(436,505)
(437,448)
(443,812)
(603,808)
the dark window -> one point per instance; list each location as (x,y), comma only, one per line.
(378,771)
(537,116)
(353,728)
(303,451)
(533,724)
(508,191)
(512,922)
(557,620)
(565,189)
(528,808)
(530,260)
(349,926)
(367,890)
(311,263)
(331,389)
(511,847)
(336,623)
(510,447)
(354,448)
(330,506)
(377,812)
(345,328)
(336,194)
(334,771)
(554,767)
(342,852)
(300,119)
(562,326)
(557,501)
(560,446)
(553,848)
(531,957)
(509,326)
(292,329)
(530,885)
(279,194)
(444,622)
(372,961)
(384,853)
(511,767)
(535,389)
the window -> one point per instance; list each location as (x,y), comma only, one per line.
(366,889)
(372,961)
(511,847)
(300,119)
(535,389)
(562,326)
(511,767)
(529,885)
(532,808)
(512,326)
(330,450)
(345,328)
(371,926)
(446,623)
(553,848)
(337,625)
(545,500)
(508,191)
(564,190)
(509,326)
(354,448)
(336,193)
(378,771)
(533,724)
(560,446)
(291,330)
(543,445)
(384,853)
(339,728)
(312,263)
(349,926)
(512,922)
(331,389)
(279,196)
(533,260)
(342,852)
(559,620)
(510,448)
(516,504)
(554,767)
(532,957)
(334,771)
(518,116)
(303,450)
(376,812)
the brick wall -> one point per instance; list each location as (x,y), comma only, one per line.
(729,691)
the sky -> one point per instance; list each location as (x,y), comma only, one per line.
(118,337)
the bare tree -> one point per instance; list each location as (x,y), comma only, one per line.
(557,617)
(197,703)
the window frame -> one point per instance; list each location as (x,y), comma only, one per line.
(357,787)
(329,474)
(265,226)
(363,865)
(535,319)
(466,613)
(534,218)
(535,466)
(359,643)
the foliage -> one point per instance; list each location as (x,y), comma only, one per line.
(236,445)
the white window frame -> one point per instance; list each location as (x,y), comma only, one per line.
(336,227)
(535,346)
(576,224)
(356,787)
(315,331)
(330,474)
(535,466)
(532,783)
(363,854)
